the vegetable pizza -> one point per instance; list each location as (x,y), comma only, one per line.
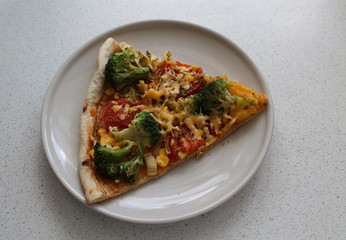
(145,115)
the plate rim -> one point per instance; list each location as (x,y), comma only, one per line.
(112,31)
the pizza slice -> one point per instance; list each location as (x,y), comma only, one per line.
(145,115)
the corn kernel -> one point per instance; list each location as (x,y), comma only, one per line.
(109,91)
(162,160)
(162,152)
(105,139)
(101,132)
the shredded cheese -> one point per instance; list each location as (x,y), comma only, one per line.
(160,99)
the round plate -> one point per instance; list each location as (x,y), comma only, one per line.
(192,188)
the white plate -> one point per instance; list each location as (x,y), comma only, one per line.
(198,185)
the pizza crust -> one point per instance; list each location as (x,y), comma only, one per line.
(92,189)
(95,188)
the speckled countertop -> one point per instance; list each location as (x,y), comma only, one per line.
(299,190)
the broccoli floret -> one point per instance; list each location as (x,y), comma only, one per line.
(108,170)
(145,132)
(109,164)
(144,129)
(121,70)
(103,153)
(215,95)
(106,159)
(130,169)
(193,103)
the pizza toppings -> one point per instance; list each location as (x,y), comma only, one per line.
(118,113)
(183,142)
(194,87)
(162,159)
(192,104)
(106,138)
(107,160)
(124,163)
(167,104)
(175,105)
(144,115)
(123,71)
(144,129)
(104,154)
(151,164)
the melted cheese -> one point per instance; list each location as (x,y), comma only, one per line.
(116,108)
(159,98)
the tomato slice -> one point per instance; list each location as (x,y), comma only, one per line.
(177,145)
(161,71)
(182,143)
(167,67)
(117,119)
(185,131)
(179,64)
(195,87)
(194,145)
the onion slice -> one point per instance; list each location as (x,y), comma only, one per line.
(151,164)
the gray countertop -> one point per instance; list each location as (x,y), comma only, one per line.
(297,193)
